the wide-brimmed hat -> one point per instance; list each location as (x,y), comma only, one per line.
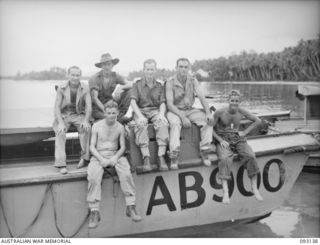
(105,58)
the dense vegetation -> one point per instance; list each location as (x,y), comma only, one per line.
(299,63)
(55,73)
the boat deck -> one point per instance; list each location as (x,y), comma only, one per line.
(298,125)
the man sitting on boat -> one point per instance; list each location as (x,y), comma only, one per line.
(72,107)
(107,147)
(231,141)
(148,104)
(102,86)
(180,96)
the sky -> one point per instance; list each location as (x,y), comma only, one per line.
(36,35)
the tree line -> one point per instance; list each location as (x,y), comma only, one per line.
(54,73)
(299,63)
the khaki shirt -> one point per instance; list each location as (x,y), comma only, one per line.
(183,96)
(148,97)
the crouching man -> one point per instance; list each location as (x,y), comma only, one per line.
(231,140)
(107,147)
(72,107)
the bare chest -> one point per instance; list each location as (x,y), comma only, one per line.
(230,120)
(110,134)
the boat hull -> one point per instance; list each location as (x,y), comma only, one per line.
(165,200)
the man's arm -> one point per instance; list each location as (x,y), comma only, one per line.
(162,112)
(141,119)
(216,117)
(95,99)
(124,85)
(88,107)
(203,102)
(127,85)
(122,144)
(171,107)
(134,97)
(57,112)
(250,116)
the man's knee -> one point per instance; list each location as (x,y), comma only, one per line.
(160,125)
(248,156)
(225,160)
(94,173)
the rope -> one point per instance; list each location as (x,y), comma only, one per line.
(38,214)
(56,219)
(5,218)
(34,219)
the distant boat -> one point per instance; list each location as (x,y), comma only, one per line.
(310,123)
(189,198)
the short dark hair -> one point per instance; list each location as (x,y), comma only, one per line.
(182,59)
(234,92)
(74,67)
(149,61)
(111,104)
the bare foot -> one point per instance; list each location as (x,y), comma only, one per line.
(257,195)
(226,199)
(205,159)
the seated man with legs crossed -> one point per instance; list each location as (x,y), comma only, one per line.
(231,140)
(148,104)
(107,147)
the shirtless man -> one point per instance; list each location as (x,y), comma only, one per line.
(231,140)
(107,136)
(72,107)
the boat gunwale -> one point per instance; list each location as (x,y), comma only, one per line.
(74,176)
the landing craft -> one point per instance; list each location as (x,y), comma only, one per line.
(188,198)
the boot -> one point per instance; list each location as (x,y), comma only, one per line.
(63,170)
(174,164)
(162,164)
(94,219)
(174,160)
(132,212)
(146,164)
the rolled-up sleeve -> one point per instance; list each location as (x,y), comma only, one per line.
(93,83)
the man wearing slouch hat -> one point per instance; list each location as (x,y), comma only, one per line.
(103,88)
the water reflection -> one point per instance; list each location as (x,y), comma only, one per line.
(282,221)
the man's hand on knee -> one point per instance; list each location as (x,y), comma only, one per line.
(224,144)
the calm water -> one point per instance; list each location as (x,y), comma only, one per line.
(297,217)
(268,96)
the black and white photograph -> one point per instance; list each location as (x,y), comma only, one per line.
(159,119)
